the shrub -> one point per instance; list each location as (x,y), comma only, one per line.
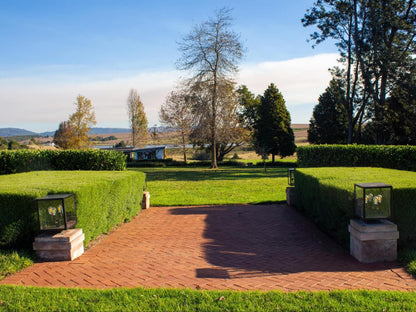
(326,196)
(104,199)
(32,160)
(235,156)
(144,164)
(385,156)
(279,163)
(201,155)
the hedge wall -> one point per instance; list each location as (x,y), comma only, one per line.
(384,156)
(326,196)
(104,199)
(31,160)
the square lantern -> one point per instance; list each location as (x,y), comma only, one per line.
(291,176)
(372,200)
(57,212)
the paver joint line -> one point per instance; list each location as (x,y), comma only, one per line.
(261,247)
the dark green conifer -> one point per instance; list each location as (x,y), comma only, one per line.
(273,133)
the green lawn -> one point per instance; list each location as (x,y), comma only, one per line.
(18,298)
(200,186)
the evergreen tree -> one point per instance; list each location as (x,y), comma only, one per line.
(376,40)
(328,124)
(401,112)
(272,133)
(249,104)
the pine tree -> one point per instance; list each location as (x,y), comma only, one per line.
(272,133)
(328,124)
(401,112)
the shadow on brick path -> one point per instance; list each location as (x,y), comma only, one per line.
(270,238)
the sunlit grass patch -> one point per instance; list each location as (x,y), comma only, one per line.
(202,186)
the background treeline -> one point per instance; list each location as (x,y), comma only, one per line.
(7,144)
(371,98)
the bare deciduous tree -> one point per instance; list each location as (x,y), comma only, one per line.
(176,113)
(211,52)
(230,133)
(137,119)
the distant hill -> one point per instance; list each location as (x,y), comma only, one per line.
(11,132)
(8,132)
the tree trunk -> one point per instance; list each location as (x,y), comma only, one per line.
(350,93)
(382,104)
(214,164)
(184,147)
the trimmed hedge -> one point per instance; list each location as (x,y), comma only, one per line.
(384,156)
(32,160)
(104,199)
(326,196)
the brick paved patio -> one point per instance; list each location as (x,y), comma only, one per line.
(239,247)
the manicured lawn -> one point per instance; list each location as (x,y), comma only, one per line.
(14,298)
(344,178)
(202,186)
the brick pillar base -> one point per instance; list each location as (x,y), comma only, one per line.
(373,241)
(63,246)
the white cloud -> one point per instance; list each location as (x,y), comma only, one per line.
(300,80)
(42,102)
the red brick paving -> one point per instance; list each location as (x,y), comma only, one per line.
(262,247)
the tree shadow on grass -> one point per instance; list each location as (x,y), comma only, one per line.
(269,239)
(209,174)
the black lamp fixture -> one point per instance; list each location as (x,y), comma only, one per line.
(372,200)
(57,212)
(291,176)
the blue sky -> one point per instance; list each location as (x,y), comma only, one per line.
(54,50)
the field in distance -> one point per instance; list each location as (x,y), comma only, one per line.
(170,138)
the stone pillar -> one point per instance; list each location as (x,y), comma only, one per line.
(290,196)
(146,200)
(374,241)
(63,246)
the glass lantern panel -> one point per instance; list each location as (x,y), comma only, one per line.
(51,214)
(359,202)
(71,217)
(291,176)
(377,202)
